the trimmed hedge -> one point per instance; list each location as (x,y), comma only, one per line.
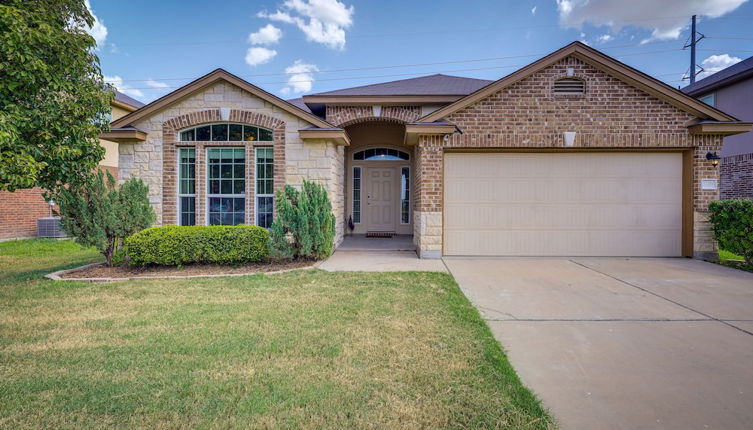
(176,245)
(732,222)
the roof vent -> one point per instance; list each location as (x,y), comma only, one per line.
(569,86)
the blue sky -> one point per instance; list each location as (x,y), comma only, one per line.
(148,48)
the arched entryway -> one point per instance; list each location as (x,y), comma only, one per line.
(379,179)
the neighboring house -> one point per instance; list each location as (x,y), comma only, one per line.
(731,90)
(20,210)
(574,154)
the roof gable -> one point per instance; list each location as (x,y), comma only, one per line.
(211,79)
(600,61)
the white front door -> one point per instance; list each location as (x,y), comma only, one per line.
(381,210)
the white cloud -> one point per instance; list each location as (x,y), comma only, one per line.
(533,10)
(257,55)
(301,78)
(322,21)
(605,38)
(156,84)
(98,30)
(267,35)
(117,82)
(647,14)
(716,63)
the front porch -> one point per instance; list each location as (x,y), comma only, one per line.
(359,242)
(358,253)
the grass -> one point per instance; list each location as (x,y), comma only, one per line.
(730,259)
(305,349)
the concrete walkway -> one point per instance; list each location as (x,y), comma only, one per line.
(615,343)
(380,261)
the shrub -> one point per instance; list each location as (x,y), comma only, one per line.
(176,245)
(732,222)
(99,214)
(304,226)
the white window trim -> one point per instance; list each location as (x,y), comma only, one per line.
(410,193)
(360,194)
(177,189)
(207,195)
(256,195)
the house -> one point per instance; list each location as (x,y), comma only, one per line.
(20,210)
(574,154)
(731,90)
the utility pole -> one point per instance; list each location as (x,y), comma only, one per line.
(692,52)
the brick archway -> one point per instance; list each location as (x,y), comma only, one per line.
(170,130)
(343,116)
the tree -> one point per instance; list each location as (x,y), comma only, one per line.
(304,226)
(53,100)
(99,214)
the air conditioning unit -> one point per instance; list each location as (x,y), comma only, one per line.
(49,227)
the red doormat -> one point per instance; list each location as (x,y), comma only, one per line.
(380,234)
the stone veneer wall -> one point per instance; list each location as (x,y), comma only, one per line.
(737,176)
(611,114)
(154,160)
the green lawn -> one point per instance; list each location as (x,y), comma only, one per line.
(306,349)
(726,255)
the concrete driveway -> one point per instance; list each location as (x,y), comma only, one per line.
(617,343)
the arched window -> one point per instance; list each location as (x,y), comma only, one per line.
(381,154)
(569,86)
(226,132)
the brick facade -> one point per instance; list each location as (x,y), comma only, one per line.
(610,115)
(20,210)
(169,162)
(343,116)
(737,176)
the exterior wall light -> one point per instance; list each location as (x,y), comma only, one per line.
(713,157)
(569,138)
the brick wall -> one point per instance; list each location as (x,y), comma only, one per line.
(343,116)
(611,114)
(737,176)
(20,210)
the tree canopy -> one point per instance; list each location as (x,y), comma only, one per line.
(53,99)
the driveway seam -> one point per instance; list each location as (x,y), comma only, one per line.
(664,298)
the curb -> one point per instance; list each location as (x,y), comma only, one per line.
(55,276)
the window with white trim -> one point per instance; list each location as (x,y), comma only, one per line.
(405,195)
(226,132)
(265,184)
(187,186)
(356,195)
(226,186)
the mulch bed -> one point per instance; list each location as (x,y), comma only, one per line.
(102,271)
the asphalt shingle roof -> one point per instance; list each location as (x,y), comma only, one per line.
(128,100)
(709,83)
(424,86)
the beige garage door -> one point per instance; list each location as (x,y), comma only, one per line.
(563,204)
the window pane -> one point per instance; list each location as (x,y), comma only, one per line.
(219,132)
(202,133)
(356,195)
(250,133)
(264,211)
(265,135)
(187,211)
(236,132)
(226,211)
(187,136)
(405,196)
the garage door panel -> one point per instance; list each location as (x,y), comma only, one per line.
(585,204)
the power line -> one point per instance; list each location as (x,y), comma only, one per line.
(408,74)
(396,66)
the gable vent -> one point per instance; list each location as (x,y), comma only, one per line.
(569,86)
